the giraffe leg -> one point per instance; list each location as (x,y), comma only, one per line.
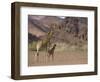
(45,55)
(52,57)
(48,57)
(37,56)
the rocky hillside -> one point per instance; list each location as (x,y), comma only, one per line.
(72,30)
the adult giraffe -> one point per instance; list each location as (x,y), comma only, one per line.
(44,43)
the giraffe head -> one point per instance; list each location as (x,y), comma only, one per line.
(50,33)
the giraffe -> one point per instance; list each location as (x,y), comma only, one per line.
(51,51)
(44,43)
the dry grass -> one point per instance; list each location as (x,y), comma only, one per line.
(64,55)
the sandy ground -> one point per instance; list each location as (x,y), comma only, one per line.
(60,58)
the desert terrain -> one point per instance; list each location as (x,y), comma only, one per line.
(68,33)
(71,56)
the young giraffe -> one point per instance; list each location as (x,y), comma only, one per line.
(51,51)
(44,43)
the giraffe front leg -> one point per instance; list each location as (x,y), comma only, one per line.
(37,56)
(46,54)
(48,57)
(52,57)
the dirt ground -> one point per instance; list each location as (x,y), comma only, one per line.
(60,58)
